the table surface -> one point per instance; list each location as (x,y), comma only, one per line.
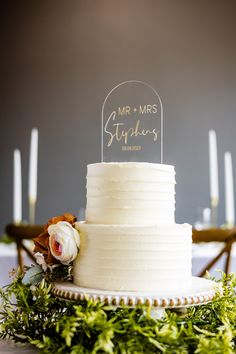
(8,347)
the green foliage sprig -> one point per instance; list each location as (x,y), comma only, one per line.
(31,314)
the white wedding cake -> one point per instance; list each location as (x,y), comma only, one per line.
(130,241)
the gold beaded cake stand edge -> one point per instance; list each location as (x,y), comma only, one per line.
(201,292)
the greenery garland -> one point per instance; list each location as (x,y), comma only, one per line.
(30,313)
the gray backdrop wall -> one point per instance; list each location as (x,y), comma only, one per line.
(59,60)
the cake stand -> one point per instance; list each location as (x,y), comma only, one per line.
(200,292)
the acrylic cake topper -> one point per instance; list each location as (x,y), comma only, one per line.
(132,124)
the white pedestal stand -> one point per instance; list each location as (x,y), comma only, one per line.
(201,292)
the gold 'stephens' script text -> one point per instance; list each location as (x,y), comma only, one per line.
(117,131)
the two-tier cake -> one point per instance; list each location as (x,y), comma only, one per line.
(130,241)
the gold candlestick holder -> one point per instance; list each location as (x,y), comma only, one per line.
(214,212)
(32,208)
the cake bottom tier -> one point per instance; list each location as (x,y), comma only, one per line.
(134,258)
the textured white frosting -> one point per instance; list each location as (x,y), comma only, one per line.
(122,193)
(135,258)
(130,241)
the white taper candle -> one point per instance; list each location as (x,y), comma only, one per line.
(229,190)
(33,165)
(214,184)
(206,217)
(33,173)
(17,188)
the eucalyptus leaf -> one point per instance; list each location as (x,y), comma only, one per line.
(33,275)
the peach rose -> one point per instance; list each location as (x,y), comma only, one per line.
(64,241)
(41,242)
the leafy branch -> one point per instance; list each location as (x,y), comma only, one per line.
(31,313)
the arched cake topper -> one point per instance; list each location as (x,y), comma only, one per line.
(132,124)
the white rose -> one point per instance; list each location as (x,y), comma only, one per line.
(64,241)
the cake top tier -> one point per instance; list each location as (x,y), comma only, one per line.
(135,164)
(130,193)
(136,171)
